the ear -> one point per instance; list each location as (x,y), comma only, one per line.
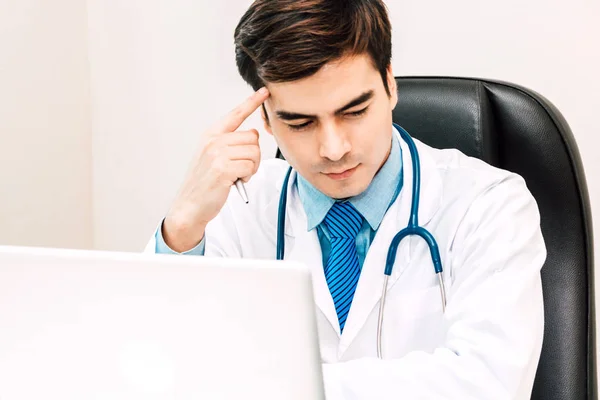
(267,124)
(391,81)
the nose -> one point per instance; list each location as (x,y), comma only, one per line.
(333,142)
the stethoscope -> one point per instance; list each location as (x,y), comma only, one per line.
(413,228)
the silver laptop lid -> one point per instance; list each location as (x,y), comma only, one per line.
(101,325)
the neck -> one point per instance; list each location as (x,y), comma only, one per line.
(387,155)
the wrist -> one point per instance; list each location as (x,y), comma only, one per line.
(180,234)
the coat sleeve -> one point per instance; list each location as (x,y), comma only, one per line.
(493,320)
(220,238)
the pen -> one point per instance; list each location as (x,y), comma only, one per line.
(241,190)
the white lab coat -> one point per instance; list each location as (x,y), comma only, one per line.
(485,346)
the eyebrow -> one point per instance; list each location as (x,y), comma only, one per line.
(290,116)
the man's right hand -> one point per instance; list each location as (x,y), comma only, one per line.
(224,156)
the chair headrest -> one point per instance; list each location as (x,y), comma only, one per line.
(448,113)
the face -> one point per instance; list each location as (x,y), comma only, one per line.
(335,127)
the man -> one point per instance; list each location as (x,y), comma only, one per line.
(327,92)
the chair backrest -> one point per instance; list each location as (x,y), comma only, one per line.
(517,129)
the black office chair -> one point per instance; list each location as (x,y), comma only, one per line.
(518,130)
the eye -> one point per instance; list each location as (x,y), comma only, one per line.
(300,127)
(357,113)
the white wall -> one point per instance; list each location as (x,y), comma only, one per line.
(45,128)
(161,70)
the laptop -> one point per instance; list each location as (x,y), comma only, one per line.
(97,325)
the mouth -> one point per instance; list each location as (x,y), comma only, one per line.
(338,176)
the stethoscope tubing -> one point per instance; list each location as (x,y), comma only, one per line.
(412,228)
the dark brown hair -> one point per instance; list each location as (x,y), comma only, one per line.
(287,40)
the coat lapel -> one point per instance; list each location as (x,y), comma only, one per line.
(304,246)
(370,284)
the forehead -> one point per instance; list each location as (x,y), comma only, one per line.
(331,87)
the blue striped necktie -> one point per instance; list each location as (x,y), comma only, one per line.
(342,270)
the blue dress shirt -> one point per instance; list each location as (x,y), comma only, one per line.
(373,203)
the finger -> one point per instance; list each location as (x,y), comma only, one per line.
(240,138)
(234,119)
(246,152)
(241,169)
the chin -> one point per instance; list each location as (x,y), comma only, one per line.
(344,189)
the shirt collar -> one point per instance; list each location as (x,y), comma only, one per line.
(373,203)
